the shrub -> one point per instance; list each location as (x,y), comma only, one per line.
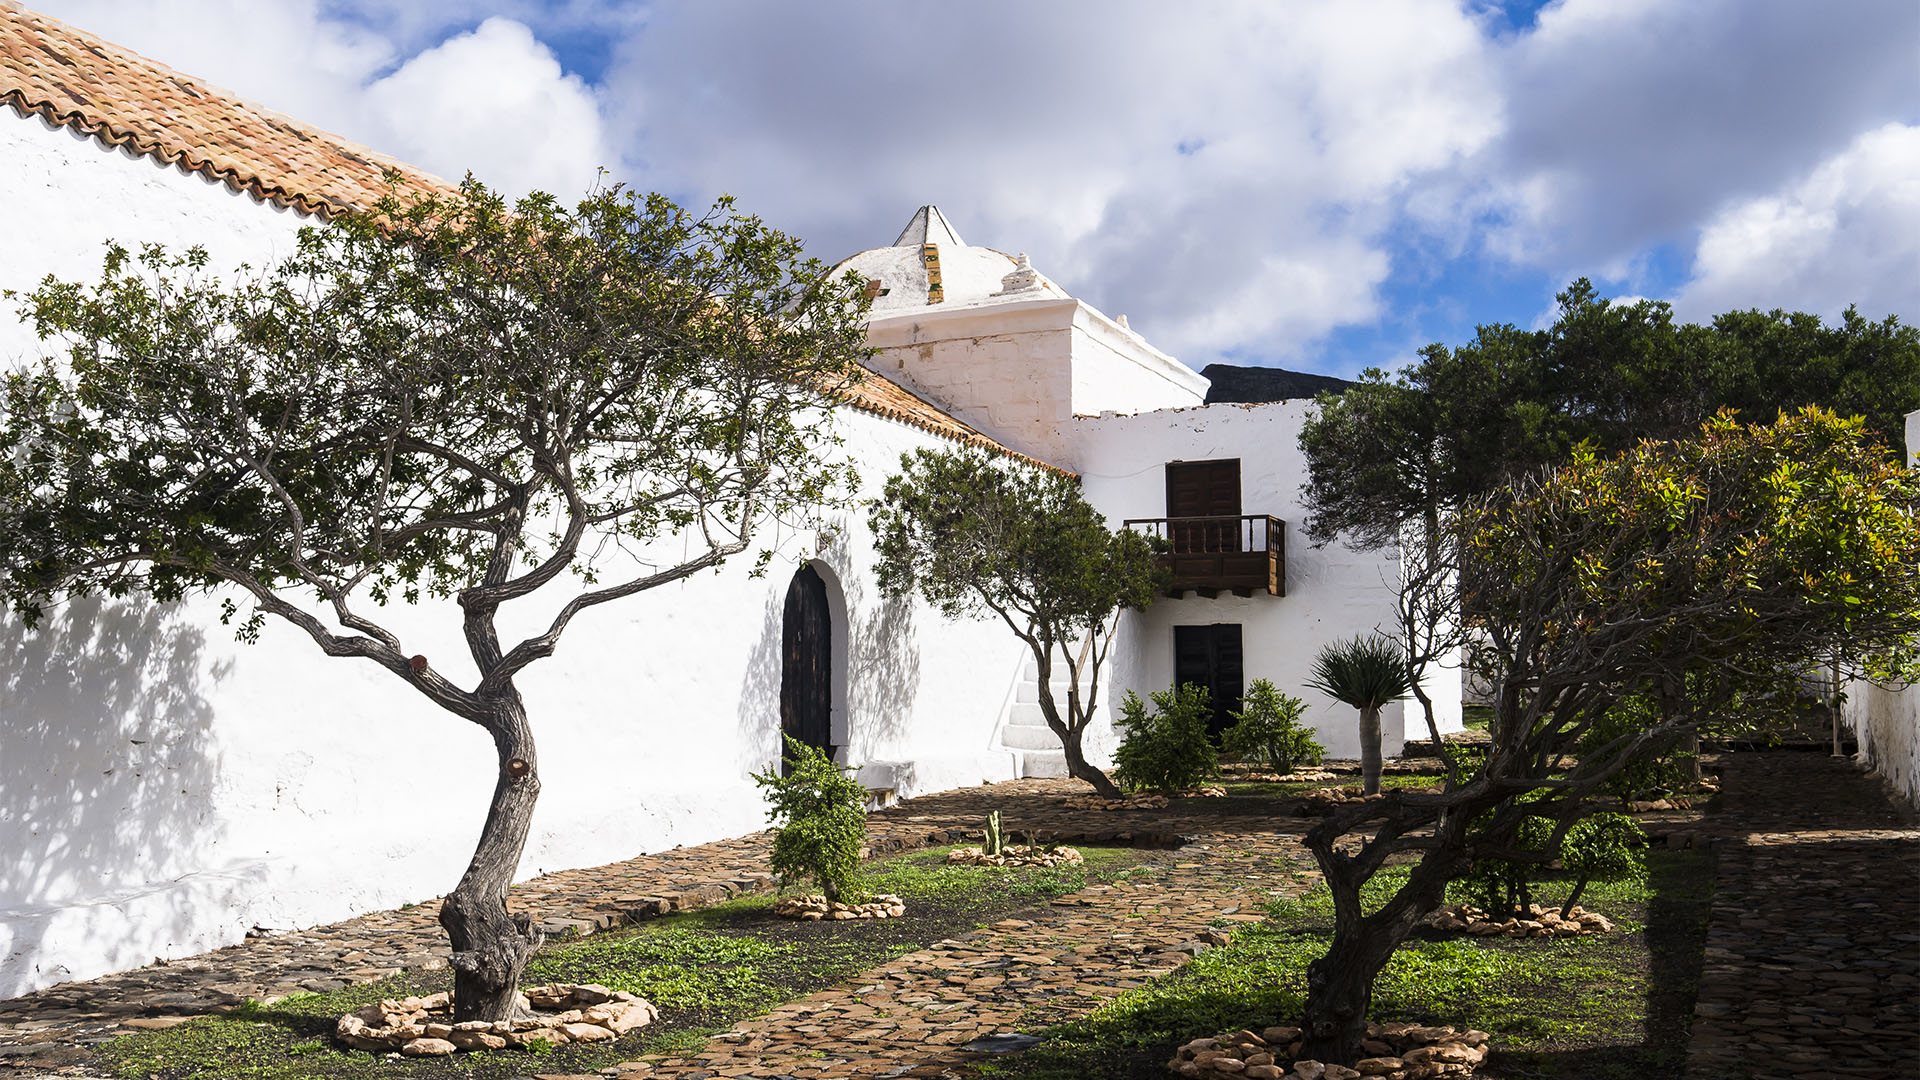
(1270,728)
(1504,887)
(819,816)
(1167,749)
(1604,847)
(1640,776)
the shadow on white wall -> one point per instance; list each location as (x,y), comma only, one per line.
(108,765)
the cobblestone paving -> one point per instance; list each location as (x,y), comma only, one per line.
(912,1016)
(1812,962)
(52,1027)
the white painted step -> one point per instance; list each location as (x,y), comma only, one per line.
(1029,737)
(1047,764)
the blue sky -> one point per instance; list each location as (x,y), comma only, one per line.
(1319,185)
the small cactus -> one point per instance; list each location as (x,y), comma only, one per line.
(995,841)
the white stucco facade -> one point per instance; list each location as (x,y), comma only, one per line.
(165,788)
(68,193)
(1332,592)
(1886,719)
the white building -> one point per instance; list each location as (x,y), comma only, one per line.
(165,788)
(1886,719)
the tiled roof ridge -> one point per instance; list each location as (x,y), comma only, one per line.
(330,173)
(914,413)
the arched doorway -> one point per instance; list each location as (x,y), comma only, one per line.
(806,670)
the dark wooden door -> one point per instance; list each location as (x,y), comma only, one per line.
(806,672)
(1210,656)
(1204,489)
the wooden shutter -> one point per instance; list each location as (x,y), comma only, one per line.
(1204,489)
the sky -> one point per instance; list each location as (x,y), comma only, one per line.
(1324,186)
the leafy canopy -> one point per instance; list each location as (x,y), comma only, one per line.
(447,396)
(973,533)
(1464,420)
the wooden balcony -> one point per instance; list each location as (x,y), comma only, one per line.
(1243,554)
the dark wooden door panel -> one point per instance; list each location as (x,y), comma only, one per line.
(1211,656)
(806,671)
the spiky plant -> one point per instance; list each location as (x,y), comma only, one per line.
(1366,673)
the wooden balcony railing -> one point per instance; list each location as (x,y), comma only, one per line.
(1242,555)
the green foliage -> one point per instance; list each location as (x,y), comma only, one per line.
(1602,847)
(421,396)
(1640,774)
(1364,672)
(1167,749)
(972,532)
(1504,886)
(820,819)
(1269,729)
(1463,421)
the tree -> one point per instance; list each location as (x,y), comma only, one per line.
(1403,449)
(1391,459)
(1366,673)
(448,398)
(1740,551)
(972,533)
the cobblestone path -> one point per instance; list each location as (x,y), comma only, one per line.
(1812,964)
(911,1017)
(53,1027)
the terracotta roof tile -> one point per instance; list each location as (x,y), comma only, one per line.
(73,79)
(875,393)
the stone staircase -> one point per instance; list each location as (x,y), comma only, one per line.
(1024,731)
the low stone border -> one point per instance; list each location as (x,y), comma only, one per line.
(1398,1052)
(424,1027)
(1543,922)
(1140,801)
(1324,801)
(1015,856)
(882,906)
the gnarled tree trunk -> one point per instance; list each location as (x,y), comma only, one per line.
(490,945)
(1340,984)
(1071,730)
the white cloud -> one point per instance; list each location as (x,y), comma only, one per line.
(1631,123)
(492,100)
(496,103)
(1060,129)
(1846,233)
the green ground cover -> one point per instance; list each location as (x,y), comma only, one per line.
(1604,1007)
(704,969)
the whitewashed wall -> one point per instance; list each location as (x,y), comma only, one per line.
(164,788)
(67,194)
(1021,369)
(1333,592)
(1886,720)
